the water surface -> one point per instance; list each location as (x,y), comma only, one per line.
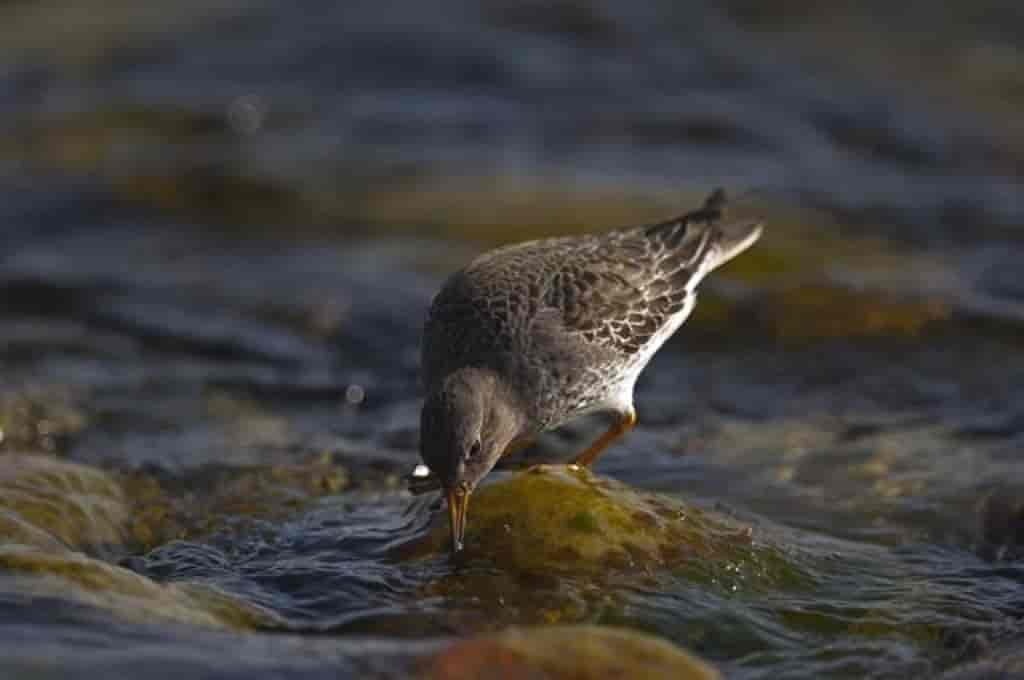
(220,230)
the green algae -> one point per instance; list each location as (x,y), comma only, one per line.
(90,581)
(214,498)
(585,522)
(207,498)
(862,622)
(820,312)
(36,419)
(579,652)
(51,511)
(79,506)
(806,314)
(557,545)
(96,32)
(14,529)
(487,600)
(506,210)
(561,521)
(225,609)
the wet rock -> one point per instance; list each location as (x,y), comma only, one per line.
(85,580)
(38,420)
(802,315)
(213,497)
(822,311)
(815,283)
(49,503)
(15,529)
(558,520)
(51,510)
(563,652)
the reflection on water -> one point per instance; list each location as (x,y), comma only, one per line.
(219,230)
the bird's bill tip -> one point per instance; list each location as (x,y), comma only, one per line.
(458,504)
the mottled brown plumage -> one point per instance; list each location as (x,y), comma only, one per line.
(548,330)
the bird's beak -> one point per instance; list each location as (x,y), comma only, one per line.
(458,504)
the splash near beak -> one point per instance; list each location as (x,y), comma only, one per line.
(458,504)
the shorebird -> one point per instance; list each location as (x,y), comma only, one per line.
(532,335)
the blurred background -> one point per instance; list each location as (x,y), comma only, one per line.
(221,223)
(334,118)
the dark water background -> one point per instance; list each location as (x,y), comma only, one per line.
(220,224)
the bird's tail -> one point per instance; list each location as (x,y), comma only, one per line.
(697,243)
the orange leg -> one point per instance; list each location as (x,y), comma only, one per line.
(624,425)
(516,445)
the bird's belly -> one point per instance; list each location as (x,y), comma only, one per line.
(610,388)
(593,392)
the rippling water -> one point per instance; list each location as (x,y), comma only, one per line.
(220,229)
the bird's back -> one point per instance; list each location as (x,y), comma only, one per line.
(570,322)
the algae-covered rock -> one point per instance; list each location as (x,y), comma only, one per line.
(38,420)
(582,652)
(51,510)
(807,313)
(86,580)
(815,312)
(565,520)
(44,501)
(170,508)
(14,529)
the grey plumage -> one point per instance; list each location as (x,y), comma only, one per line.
(569,323)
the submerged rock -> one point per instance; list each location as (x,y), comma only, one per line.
(562,652)
(52,504)
(563,520)
(37,419)
(86,580)
(167,508)
(51,512)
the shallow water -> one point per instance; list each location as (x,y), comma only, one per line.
(220,230)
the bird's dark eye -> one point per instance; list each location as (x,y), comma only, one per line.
(474,450)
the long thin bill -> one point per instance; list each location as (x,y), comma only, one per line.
(458,505)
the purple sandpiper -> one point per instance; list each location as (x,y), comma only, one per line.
(532,335)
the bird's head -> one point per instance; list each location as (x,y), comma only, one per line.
(468,421)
